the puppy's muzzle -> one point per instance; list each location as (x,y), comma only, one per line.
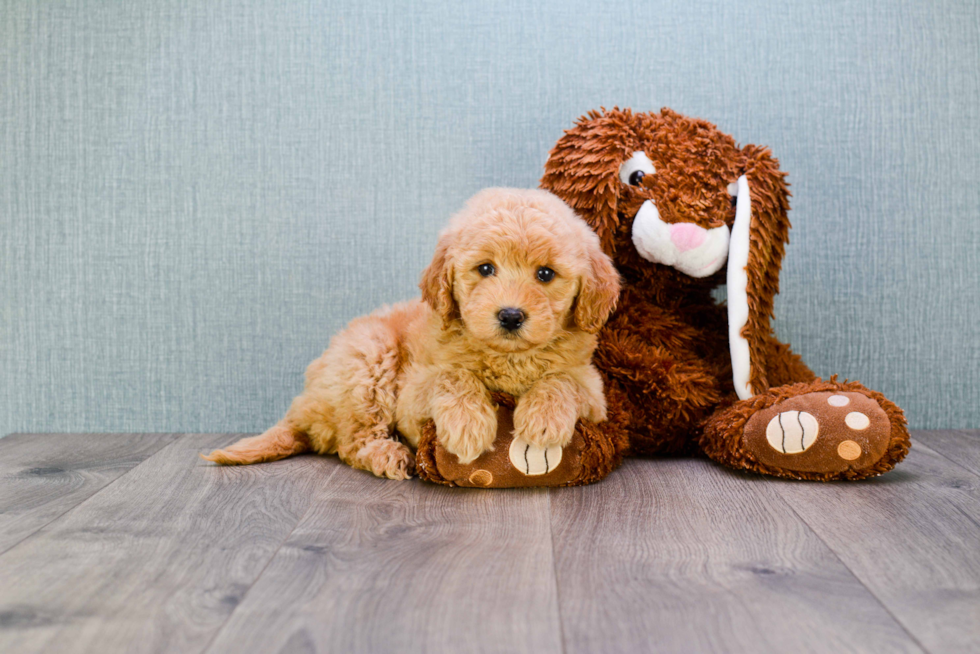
(511,319)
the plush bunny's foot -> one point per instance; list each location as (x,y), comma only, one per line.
(591,454)
(818,430)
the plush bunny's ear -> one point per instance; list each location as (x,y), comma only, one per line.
(583,170)
(738,305)
(437,281)
(758,241)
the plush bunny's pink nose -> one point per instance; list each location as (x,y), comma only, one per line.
(687,236)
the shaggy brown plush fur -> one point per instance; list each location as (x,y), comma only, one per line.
(438,359)
(665,353)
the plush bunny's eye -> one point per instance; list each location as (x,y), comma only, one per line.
(635,169)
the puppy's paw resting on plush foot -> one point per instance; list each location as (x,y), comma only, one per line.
(546,415)
(386,458)
(466,433)
(544,424)
(593,452)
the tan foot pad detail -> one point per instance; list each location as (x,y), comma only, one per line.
(514,463)
(819,432)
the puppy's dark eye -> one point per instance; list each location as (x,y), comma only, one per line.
(636,177)
(545,274)
(486,269)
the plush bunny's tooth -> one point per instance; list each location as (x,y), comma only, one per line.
(738,301)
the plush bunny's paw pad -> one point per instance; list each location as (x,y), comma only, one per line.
(821,432)
(532,459)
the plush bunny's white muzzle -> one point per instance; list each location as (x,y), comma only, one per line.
(692,249)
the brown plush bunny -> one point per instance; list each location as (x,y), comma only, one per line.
(682,210)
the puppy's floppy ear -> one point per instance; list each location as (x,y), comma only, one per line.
(599,290)
(437,280)
(583,169)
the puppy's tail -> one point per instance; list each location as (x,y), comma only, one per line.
(277,443)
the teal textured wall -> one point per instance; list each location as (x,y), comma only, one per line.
(195,195)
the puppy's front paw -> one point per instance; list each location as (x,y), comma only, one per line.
(467,434)
(544,423)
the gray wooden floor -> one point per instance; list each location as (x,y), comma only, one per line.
(130,543)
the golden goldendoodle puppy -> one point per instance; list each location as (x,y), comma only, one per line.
(511,302)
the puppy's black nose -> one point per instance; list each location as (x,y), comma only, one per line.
(511,319)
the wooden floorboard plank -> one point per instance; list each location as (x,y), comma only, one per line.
(156,561)
(685,556)
(387,566)
(42,476)
(912,537)
(962,446)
